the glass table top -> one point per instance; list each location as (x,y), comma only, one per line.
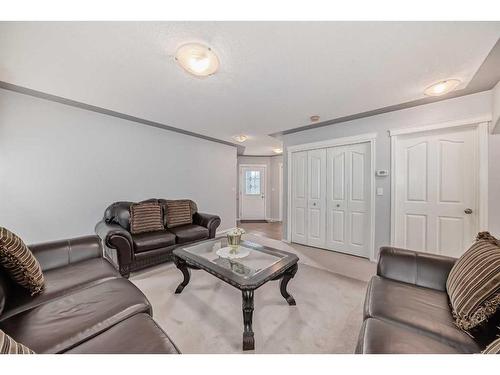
(258,259)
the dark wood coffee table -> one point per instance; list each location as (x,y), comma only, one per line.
(263,264)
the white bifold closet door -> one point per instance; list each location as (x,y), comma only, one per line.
(331,198)
(348,199)
(316,194)
(299,197)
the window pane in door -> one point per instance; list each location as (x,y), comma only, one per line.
(252,182)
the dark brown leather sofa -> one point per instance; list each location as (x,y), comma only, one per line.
(407,309)
(132,252)
(86,307)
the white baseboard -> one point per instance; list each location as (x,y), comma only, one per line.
(271,220)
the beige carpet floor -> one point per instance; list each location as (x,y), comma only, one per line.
(207,318)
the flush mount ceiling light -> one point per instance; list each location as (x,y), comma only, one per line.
(442,87)
(240,138)
(197,59)
(277,150)
(314,118)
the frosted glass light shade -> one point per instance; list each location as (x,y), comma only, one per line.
(197,59)
(441,88)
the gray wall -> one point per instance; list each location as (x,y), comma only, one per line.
(272,184)
(462,108)
(61,166)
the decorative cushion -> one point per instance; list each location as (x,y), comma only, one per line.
(9,346)
(145,217)
(20,263)
(178,212)
(473,284)
(493,348)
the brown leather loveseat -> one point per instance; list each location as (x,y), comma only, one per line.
(86,307)
(132,252)
(407,308)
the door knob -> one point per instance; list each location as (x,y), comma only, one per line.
(468,211)
(338,205)
(314,204)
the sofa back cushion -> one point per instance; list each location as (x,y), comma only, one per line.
(146,217)
(119,213)
(9,346)
(178,212)
(20,263)
(473,284)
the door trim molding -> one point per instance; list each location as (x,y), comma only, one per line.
(440,125)
(361,138)
(481,125)
(240,175)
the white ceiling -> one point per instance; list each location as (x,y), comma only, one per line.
(273,75)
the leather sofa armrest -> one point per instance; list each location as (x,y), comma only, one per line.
(61,253)
(413,267)
(211,222)
(118,245)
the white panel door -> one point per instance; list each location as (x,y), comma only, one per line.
(316,193)
(253,192)
(348,199)
(299,197)
(435,202)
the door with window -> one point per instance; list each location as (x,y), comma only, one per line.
(253,192)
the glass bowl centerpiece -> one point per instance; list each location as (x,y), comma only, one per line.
(234,238)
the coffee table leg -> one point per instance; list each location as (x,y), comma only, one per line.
(182,266)
(248,339)
(287,276)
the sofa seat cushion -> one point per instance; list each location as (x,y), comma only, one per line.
(152,240)
(65,322)
(139,334)
(61,281)
(189,233)
(425,310)
(379,337)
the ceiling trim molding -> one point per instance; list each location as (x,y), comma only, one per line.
(108,112)
(485,78)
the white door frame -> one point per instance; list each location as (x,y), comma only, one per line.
(280,191)
(481,126)
(362,138)
(241,166)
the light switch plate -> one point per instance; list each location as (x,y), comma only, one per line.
(380,191)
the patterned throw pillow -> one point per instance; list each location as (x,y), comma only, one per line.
(178,213)
(493,348)
(145,217)
(20,263)
(9,346)
(473,284)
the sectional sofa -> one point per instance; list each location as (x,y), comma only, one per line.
(86,307)
(407,308)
